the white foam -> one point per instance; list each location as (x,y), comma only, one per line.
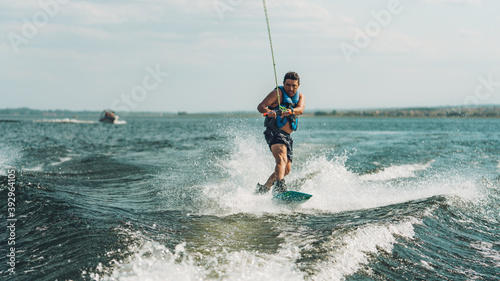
(8,156)
(251,162)
(155,262)
(395,172)
(61,160)
(348,252)
(37,168)
(333,186)
(336,189)
(65,120)
(351,251)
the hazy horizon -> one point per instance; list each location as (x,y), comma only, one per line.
(308,111)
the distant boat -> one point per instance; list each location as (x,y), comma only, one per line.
(108,116)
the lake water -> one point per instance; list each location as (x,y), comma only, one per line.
(172,199)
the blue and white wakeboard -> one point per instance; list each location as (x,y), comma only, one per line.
(291,197)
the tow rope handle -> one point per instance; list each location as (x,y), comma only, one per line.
(279,112)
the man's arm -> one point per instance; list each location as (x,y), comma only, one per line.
(301,105)
(270,100)
(299,109)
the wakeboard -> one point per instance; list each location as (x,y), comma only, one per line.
(291,197)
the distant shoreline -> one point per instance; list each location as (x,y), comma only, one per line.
(431,112)
(421,112)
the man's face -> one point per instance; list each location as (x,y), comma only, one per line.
(291,87)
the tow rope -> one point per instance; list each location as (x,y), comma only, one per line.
(272,54)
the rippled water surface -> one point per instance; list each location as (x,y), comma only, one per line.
(172,199)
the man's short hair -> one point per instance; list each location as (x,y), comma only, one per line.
(292,75)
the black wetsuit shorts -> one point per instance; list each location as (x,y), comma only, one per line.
(275,137)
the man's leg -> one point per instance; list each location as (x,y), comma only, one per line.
(288,167)
(283,164)
(279,152)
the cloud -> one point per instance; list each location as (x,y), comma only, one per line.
(455,2)
(470,33)
(91,13)
(103,47)
(396,43)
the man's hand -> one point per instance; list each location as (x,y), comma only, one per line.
(287,112)
(274,113)
(271,114)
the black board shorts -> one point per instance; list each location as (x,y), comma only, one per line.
(282,137)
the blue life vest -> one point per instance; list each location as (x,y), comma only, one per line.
(288,102)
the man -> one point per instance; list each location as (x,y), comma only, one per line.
(280,123)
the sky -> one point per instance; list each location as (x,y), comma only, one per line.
(214,55)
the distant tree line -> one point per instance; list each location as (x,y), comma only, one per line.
(476,112)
